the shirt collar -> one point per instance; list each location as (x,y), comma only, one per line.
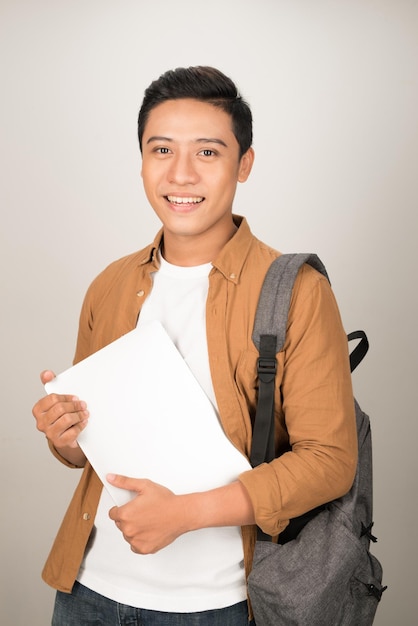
(229,261)
(150,253)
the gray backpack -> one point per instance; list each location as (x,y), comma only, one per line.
(321,572)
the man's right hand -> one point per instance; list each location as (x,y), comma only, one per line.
(62,418)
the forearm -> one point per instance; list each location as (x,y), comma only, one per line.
(225,506)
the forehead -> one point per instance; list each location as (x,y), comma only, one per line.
(191,119)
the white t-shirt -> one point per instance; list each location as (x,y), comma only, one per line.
(213,578)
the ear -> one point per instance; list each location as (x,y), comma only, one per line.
(245,165)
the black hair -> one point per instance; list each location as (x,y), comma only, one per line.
(205,84)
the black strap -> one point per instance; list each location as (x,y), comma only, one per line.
(360,351)
(262,449)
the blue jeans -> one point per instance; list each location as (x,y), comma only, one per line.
(84,607)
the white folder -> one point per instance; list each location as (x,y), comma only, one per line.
(149,417)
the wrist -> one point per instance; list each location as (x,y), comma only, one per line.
(69,455)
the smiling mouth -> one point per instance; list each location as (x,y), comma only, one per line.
(180,200)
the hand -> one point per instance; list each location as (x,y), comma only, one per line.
(153,519)
(61,418)
(156,516)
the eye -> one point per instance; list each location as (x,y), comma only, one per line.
(207,152)
(162,150)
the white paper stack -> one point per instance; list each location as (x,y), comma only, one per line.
(149,417)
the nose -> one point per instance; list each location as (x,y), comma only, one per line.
(182,170)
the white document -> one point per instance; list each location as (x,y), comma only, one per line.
(149,417)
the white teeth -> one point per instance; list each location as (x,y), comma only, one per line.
(180,200)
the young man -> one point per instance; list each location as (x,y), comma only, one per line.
(201,278)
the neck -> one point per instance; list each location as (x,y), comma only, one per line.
(188,251)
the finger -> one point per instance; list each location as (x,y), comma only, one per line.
(64,433)
(54,419)
(46,376)
(126,482)
(113,514)
(59,404)
(69,409)
(63,422)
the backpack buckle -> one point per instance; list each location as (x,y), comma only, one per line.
(266,366)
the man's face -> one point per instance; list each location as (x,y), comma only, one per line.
(191,167)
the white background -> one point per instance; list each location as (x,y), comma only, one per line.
(333,89)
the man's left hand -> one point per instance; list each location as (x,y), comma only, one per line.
(153,519)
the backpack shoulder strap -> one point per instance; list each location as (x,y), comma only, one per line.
(269,335)
(274,300)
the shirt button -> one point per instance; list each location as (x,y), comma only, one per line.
(140,293)
(86,516)
(232,276)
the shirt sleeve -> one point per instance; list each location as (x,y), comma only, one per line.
(315,394)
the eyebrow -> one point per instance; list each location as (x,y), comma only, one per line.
(200,140)
(212,140)
(158,138)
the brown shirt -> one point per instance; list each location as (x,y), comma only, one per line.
(315,424)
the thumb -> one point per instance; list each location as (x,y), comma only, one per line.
(126,482)
(46,376)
